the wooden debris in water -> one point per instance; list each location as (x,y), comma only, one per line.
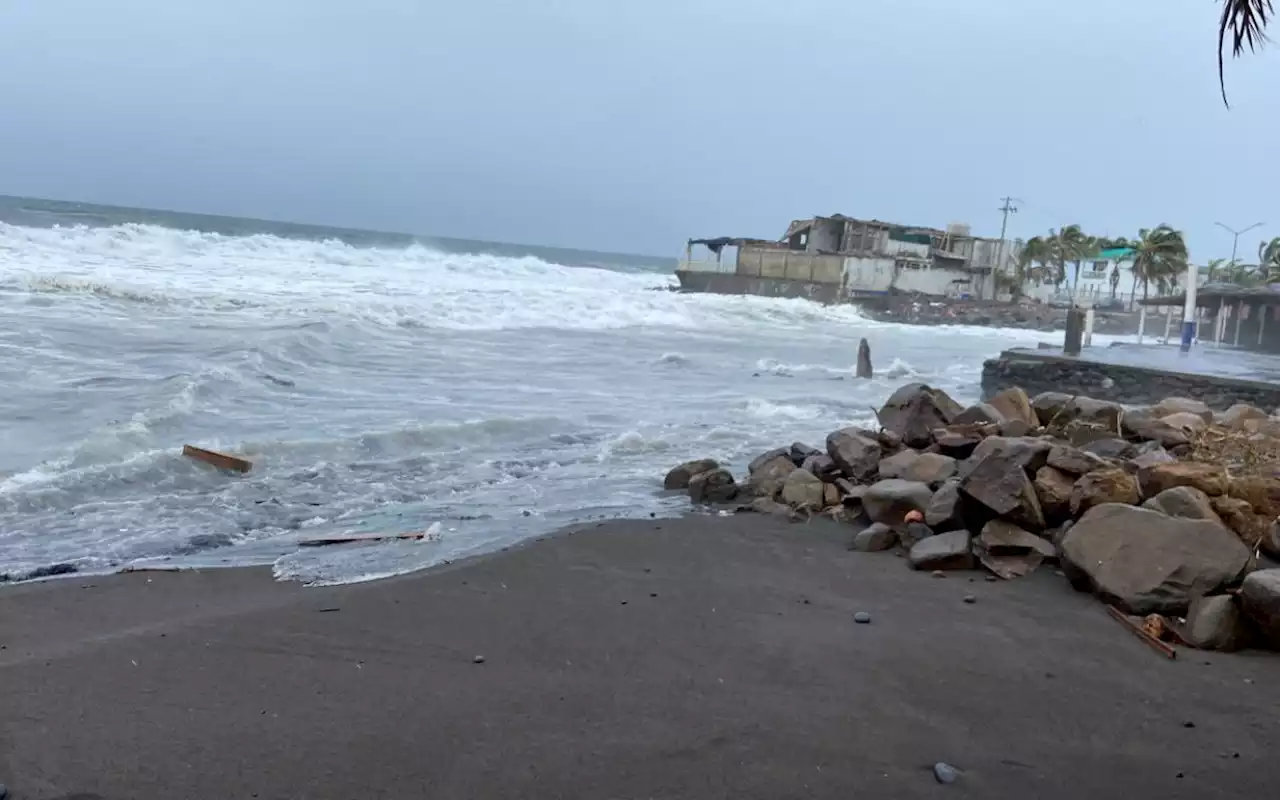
(219,460)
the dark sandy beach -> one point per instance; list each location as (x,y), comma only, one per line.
(695,658)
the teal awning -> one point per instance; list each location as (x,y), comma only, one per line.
(1116,253)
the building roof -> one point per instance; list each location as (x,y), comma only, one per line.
(1211,294)
(1115,253)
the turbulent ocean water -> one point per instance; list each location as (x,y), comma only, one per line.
(382,384)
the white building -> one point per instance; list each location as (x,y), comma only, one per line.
(1104,280)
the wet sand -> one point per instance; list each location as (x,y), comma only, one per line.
(693,658)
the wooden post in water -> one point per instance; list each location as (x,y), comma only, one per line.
(863,370)
(1263,312)
(1239,317)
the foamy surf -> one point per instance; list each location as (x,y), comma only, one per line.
(389,390)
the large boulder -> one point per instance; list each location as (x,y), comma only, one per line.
(999,483)
(932,468)
(1010,551)
(804,490)
(1109,447)
(1260,602)
(678,478)
(1073,460)
(1149,458)
(1271,540)
(945,551)
(822,465)
(1146,562)
(1236,416)
(915,410)
(767,478)
(944,512)
(713,486)
(1215,623)
(1013,404)
(1104,486)
(1208,478)
(1053,490)
(912,533)
(1182,405)
(857,455)
(1185,502)
(1058,409)
(890,501)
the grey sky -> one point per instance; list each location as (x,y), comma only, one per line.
(633,125)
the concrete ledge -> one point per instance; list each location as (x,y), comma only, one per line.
(1037,371)
(730,283)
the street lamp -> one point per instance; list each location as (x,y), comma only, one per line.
(1236,236)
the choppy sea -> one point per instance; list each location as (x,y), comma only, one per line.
(383,383)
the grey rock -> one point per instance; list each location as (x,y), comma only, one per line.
(767,478)
(875,538)
(1104,486)
(1208,478)
(823,466)
(1260,602)
(713,486)
(970,599)
(765,458)
(1153,456)
(1053,490)
(1215,623)
(889,501)
(1014,428)
(803,490)
(932,468)
(1027,452)
(800,452)
(1110,448)
(862,618)
(945,773)
(913,533)
(856,455)
(999,483)
(914,410)
(1013,405)
(767,505)
(1185,502)
(1142,425)
(1271,540)
(980,413)
(945,508)
(1236,416)
(863,369)
(1146,562)
(1073,460)
(1058,409)
(678,478)
(1010,551)
(1182,405)
(943,552)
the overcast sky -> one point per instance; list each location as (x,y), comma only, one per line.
(633,124)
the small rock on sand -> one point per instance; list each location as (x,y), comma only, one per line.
(862,618)
(478,660)
(970,599)
(945,773)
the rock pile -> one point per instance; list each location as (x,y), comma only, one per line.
(1151,509)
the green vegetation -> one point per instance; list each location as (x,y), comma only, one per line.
(1244,23)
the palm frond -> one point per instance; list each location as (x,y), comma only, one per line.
(1246,21)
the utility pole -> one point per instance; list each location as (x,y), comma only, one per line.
(1005,210)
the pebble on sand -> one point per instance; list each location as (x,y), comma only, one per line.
(862,618)
(970,599)
(945,773)
(937,573)
(478,660)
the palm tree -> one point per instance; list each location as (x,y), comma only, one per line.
(1218,267)
(1245,21)
(1068,244)
(1159,256)
(1032,260)
(1269,260)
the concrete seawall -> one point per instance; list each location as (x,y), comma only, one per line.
(729,283)
(1039,372)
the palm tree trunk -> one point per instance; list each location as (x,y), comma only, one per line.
(1133,291)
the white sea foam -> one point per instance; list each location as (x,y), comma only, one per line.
(389,390)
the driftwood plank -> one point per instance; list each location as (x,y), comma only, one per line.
(219,460)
